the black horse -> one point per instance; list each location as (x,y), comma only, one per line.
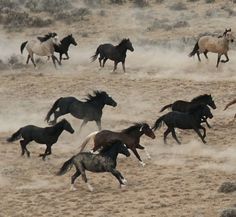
(105,161)
(184,106)
(190,120)
(116,53)
(47,135)
(46,37)
(64,46)
(90,110)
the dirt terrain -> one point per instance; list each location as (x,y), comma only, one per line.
(179,180)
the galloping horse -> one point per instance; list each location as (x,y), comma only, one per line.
(47,135)
(116,53)
(90,110)
(105,161)
(213,44)
(184,106)
(190,120)
(45,47)
(229,104)
(130,137)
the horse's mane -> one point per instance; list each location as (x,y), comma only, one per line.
(47,36)
(65,38)
(204,96)
(123,41)
(133,127)
(96,95)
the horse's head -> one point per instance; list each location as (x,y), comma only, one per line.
(122,149)
(206,112)
(201,110)
(229,35)
(71,40)
(108,99)
(145,129)
(129,45)
(67,126)
(211,102)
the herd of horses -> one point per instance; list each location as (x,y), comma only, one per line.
(47,45)
(108,143)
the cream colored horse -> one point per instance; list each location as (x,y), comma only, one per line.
(44,48)
(213,44)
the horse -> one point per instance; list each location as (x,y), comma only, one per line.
(229,104)
(105,161)
(64,46)
(90,110)
(130,137)
(47,135)
(213,44)
(190,120)
(116,53)
(45,47)
(184,106)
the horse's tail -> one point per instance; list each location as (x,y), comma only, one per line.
(195,49)
(23,46)
(15,136)
(54,107)
(165,107)
(94,57)
(65,167)
(91,135)
(158,123)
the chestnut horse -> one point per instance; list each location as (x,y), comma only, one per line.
(130,137)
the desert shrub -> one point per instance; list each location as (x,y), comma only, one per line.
(93,3)
(227,187)
(17,20)
(160,24)
(178,6)
(8,4)
(15,62)
(3,65)
(180,24)
(119,2)
(192,0)
(230,212)
(140,3)
(74,15)
(159,1)
(209,1)
(48,5)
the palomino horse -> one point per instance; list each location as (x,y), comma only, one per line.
(45,47)
(213,44)
(130,137)
(229,104)
(116,53)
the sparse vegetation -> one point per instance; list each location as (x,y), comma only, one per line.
(119,2)
(227,187)
(178,6)
(159,1)
(141,3)
(230,212)
(209,1)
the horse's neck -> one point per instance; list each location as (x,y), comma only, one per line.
(225,42)
(112,154)
(57,129)
(136,134)
(99,104)
(65,43)
(197,116)
(121,49)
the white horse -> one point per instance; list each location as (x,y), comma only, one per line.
(42,47)
(213,44)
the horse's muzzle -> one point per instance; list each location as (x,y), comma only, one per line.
(114,104)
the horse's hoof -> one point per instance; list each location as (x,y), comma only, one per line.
(122,186)
(142,163)
(90,187)
(72,188)
(124,181)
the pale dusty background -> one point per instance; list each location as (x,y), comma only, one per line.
(178,180)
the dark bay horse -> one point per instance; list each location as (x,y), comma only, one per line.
(184,106)
(90,110)
(47,135)
(130,137)
(105,161)
(64,46)
(116,53)
(190,120)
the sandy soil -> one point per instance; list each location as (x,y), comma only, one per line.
(177,180)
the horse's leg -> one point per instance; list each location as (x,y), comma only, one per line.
(47,152)
(28,58)
(138,146)
(166,134)
(117,174)
(227,59)
(123,65)
(205,53)
(174,136)
(218,60)
(138,156)
(204,130)
(75,176)
(145,149)
(104,61)
(198,56)
(122,177)
(82,125)
(60,57)
(208,125)
(24,143)
(53,60)
(67,56)
(115,66)
(32,60)
(100,61)
(59,62)
(99,124)
(199,134)
(82,170)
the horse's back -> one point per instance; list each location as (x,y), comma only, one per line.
(211,43)
(180,106)
(40,48)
